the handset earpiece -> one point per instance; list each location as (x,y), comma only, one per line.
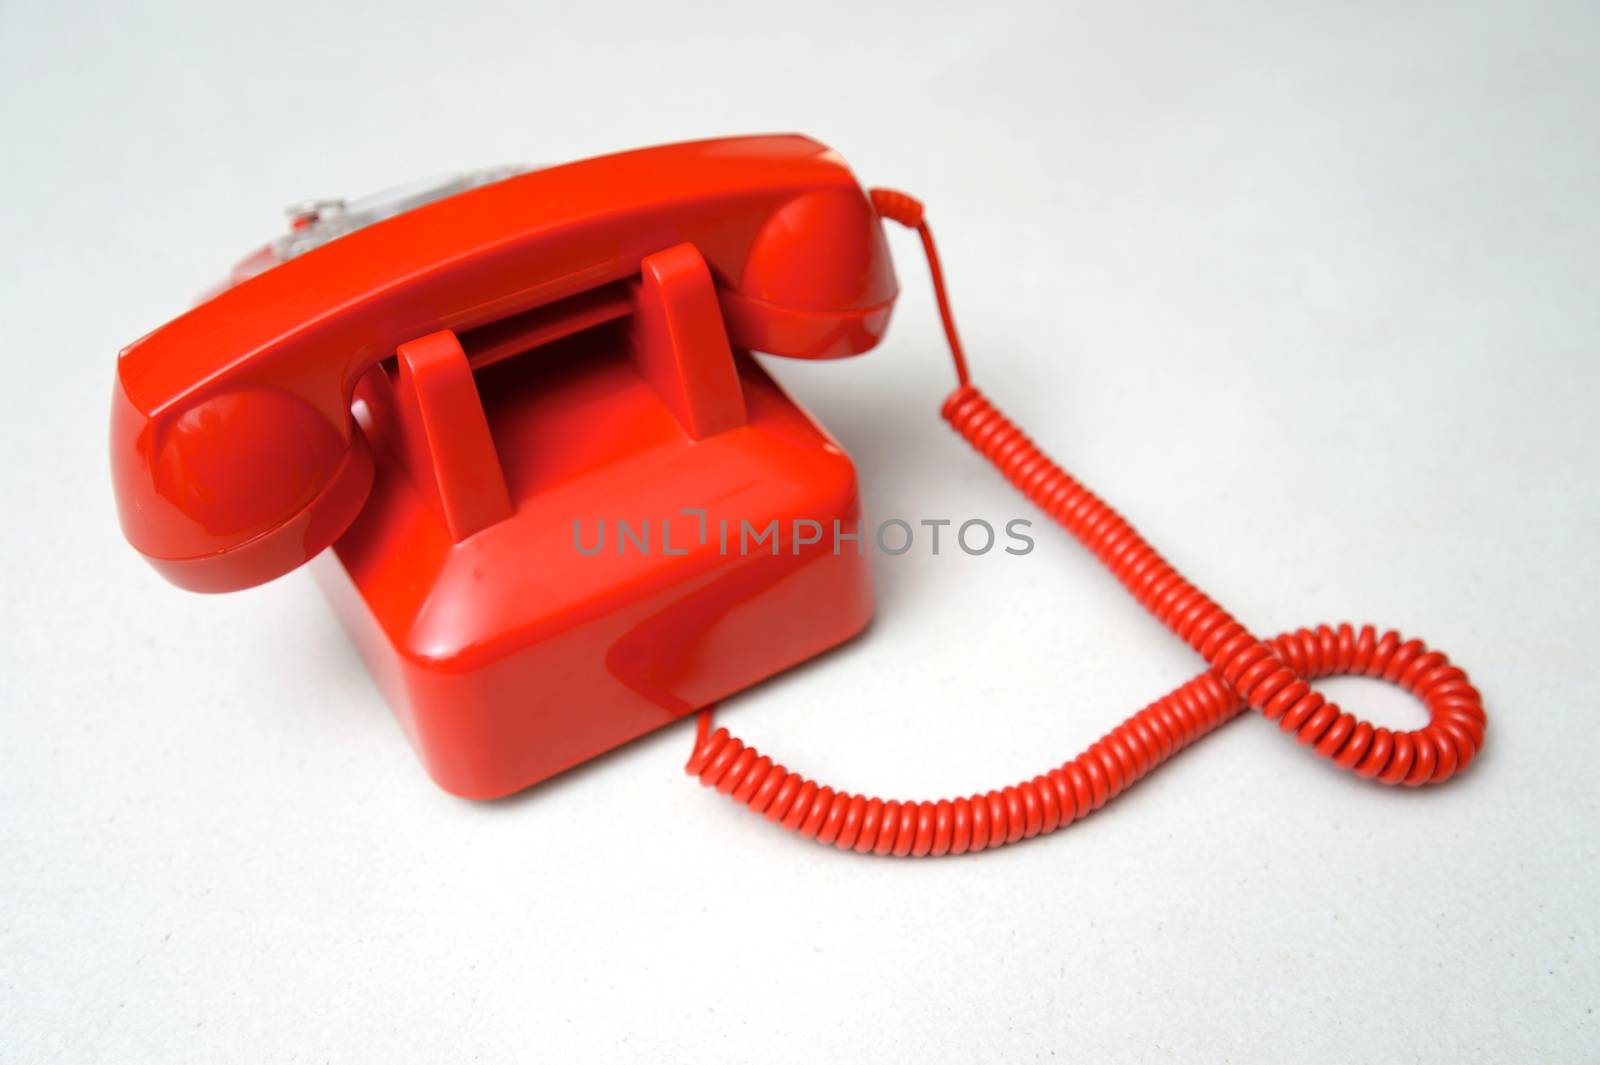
(243,485)
(817,281)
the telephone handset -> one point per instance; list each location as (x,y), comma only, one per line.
(234,451)
(447,391)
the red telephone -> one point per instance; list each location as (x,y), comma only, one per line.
(438,387)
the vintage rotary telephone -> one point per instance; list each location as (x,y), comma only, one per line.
(438,383)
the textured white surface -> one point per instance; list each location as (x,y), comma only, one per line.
(1310,296)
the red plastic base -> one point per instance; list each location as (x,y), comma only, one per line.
(513,654)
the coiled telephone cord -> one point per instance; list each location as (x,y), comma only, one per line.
(1270,676)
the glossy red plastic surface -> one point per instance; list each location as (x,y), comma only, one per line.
(233,453)
(595,609)
(516,653)
(524,416)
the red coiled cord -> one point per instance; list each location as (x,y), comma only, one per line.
(1244,671)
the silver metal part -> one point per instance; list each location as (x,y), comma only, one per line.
(315,222)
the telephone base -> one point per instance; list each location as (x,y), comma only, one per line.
(607,604)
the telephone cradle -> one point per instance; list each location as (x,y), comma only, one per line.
(514,422)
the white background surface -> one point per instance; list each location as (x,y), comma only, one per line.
(1309,295)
